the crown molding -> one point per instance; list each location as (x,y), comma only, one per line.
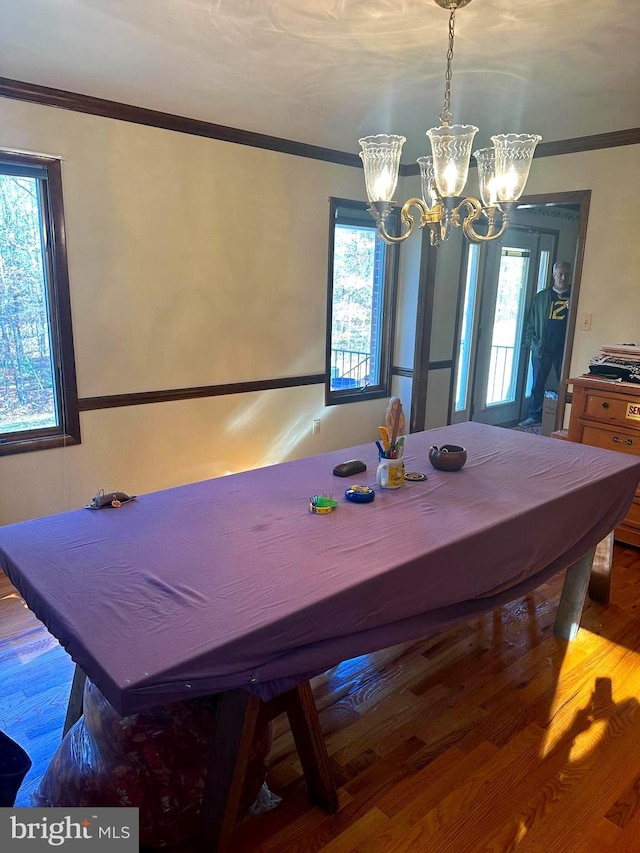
(46,96)
(613,139)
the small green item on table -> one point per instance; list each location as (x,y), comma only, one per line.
(321,504)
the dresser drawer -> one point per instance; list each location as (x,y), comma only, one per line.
(616,409)
(621,440)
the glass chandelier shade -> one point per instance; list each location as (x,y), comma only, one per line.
(502,172)
(427,180)
(514,153)
(451,148)
(381,159)
(486,162)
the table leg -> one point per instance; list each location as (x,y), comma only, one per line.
(600,582)
(574,592)
(312,751)
(74,705)
(234,728)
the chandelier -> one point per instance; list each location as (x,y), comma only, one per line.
(502,173)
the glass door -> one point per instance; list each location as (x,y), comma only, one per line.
(510,275)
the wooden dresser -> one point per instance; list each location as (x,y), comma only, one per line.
(607,414)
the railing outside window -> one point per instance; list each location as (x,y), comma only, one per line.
(501,375)
(350,368)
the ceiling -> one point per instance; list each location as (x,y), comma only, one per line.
(328,71)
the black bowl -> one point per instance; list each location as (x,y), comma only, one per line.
(449,457)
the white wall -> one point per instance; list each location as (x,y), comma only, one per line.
(191,262)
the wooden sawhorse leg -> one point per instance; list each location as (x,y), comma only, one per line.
(235,724)
(236,719)
(312,751)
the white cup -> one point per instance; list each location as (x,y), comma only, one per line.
(390,473)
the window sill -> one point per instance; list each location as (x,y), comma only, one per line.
(26,445)
(336,398)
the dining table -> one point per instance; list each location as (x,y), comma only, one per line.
(232,586)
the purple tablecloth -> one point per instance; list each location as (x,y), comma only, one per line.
(233,582)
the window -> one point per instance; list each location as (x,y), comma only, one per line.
(38,398)
(363,272)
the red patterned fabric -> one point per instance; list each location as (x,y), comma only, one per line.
(154,760)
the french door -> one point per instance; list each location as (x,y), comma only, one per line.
(493,366)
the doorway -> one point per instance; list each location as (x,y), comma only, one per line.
(499,280)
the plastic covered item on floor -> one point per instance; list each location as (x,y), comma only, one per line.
(266,801)
(155,760)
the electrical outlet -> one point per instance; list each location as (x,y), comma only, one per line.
(585,322)
(316,426)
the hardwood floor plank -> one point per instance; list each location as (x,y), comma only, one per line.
(370,824)
(383,729)
(627,806)
(576,797)
(453,819)
(414,796)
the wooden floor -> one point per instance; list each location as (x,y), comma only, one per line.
(494,736)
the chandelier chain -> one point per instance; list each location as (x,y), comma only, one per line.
(446,115)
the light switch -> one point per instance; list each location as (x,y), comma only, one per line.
(585,322)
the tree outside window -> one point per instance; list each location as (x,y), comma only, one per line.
(38,403)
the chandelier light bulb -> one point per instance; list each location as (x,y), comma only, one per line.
(506,186)
(450,178)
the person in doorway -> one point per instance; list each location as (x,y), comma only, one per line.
(544,333)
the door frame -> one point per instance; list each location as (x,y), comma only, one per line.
(424,318)
(583,199)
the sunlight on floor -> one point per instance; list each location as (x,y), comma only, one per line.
(13,595)
(599,698)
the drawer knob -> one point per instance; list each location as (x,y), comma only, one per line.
(629,441)
(616,440)
(605,405)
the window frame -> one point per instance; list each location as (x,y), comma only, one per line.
(59,304)
(389,290)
